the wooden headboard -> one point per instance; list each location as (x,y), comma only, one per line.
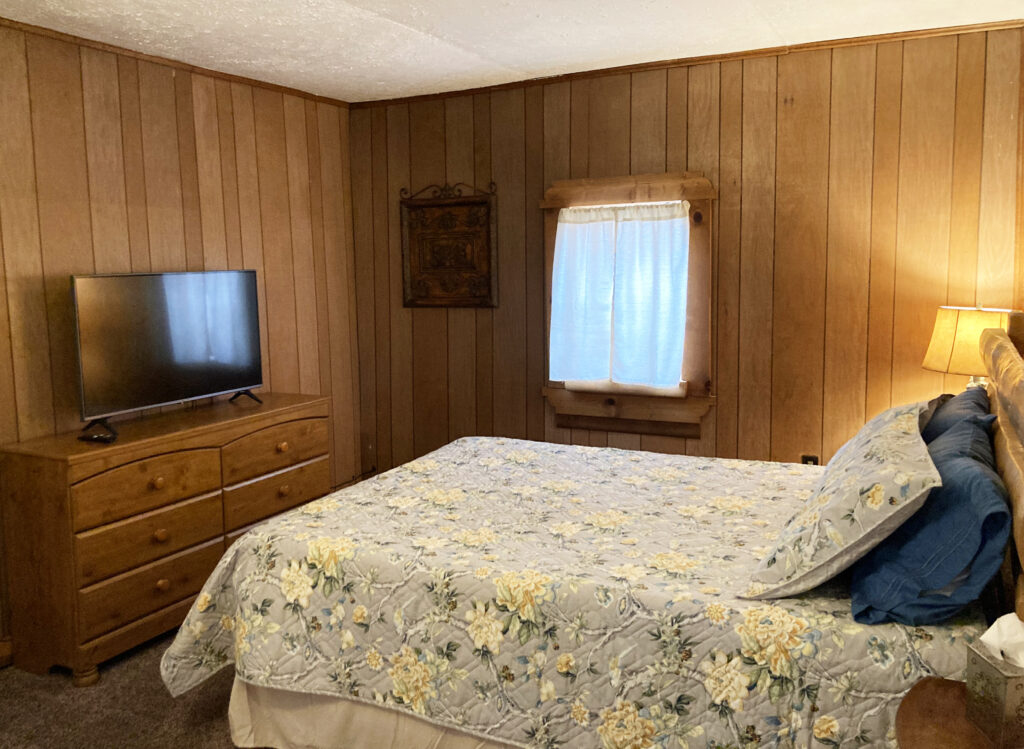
(1002,354)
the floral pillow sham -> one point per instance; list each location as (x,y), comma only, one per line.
(872,484)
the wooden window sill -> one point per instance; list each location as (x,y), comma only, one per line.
(626,412)
(609,388)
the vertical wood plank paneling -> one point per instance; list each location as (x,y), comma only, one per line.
(557,129)
(162,167)
(134,168)
(249,217)
(849,238)
(62,190)
(884,187)
(360,148)
(209,174)
(579,128)
(381,284)
(925,191)
(536,337)
(323,317)
(507,149)
(484,317)
(105,162)
(194,259)
(429,326)
(279,274)
(703,102)
(402,449)
(648,122)
(1018,294)
(757,244)
(962,276)
(728,289)
(19,225)
(1018,300)
(997,224)
(303,269)
(229,174)
(345,254)
(608,131)
(459,167)
(18,293)
(8,397)
(967,152)
(344,409)
(676,106)
(9,406)
(801,227)
(703,152)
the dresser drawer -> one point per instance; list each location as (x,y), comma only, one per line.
(143,485)
(123,599)
(273,448)
(263,497)
(109,549)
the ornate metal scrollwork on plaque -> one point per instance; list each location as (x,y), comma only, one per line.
(449,246)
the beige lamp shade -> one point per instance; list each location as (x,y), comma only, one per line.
(955,346)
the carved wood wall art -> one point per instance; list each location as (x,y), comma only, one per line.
(449,246)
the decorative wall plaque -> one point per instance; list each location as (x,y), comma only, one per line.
(449,247)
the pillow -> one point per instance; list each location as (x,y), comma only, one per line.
(872,484)
(930,409)
(941,558)
(966,439)
(971,404)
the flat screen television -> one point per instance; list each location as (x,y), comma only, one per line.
(151,339)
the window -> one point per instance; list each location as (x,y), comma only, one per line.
(629,303)
(618,295)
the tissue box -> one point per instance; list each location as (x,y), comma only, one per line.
(995,696)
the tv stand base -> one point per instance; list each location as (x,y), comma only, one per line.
(107,437)
(240,393)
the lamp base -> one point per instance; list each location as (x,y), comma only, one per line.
(977,382)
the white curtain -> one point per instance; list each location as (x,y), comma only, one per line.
(618,293)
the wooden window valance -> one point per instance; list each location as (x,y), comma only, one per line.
(629,412)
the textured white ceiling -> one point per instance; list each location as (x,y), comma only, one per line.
(358,50)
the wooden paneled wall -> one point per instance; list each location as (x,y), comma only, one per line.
(110,163)
(860,187)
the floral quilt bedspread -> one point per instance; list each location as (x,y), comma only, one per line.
(552,595)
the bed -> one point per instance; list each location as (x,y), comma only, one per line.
(500,592)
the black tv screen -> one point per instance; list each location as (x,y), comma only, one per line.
(150,339)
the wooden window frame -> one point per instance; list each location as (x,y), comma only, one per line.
(612,410)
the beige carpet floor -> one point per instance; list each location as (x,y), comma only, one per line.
(128,709)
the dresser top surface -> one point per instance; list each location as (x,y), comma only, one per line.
(136,433)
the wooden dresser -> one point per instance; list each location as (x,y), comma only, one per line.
(107,545)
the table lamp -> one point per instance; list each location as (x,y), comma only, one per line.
(955,344)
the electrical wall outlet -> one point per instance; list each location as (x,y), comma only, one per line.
(810,460)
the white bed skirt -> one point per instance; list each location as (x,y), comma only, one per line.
(264,717)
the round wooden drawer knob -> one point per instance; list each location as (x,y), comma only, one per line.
(163,584)
(160,535)
(282,447)
(284,491)
(157,483)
